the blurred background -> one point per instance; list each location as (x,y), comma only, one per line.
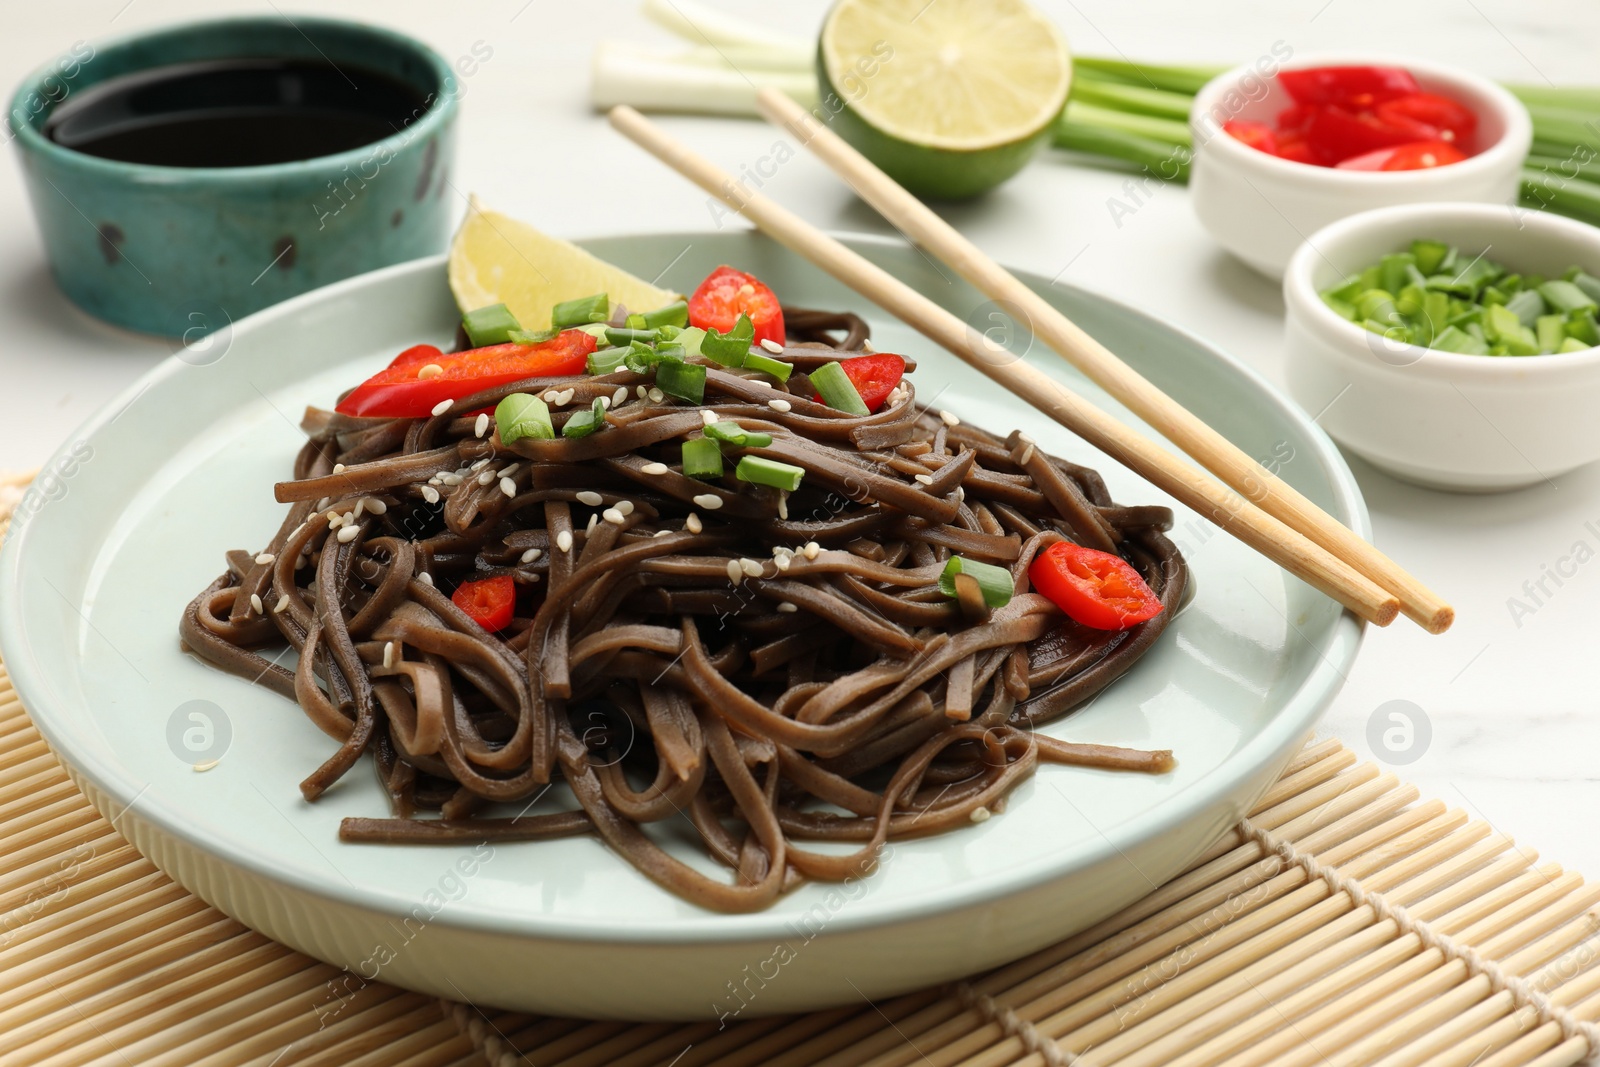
(1511,707)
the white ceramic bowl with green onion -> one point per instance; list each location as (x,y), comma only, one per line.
(1447,420)
(1260,207)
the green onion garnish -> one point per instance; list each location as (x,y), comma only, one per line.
(702,458)
(639,358)
(737,435)
(606,360)
(584,423)
(490,325)
(996,582)
(668,332)
(690,337)
(532,337)
(729,349)
(837,390)
(523,415)
(767,365)
(666,352)
(686,381)
(581,312)
(676,315)
(763,471)
(635,322)
(618,335)
(1566,297)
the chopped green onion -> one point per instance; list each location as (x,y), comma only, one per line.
(522,415)
(619,335)
(690,337)
(1551,331)
(996,582)
(1392,270)
(729,349)
(581,312)
(1429,255)
(1528,306)
(606,360)
(702,458)
(1572,344)
(667,353)
(490,325)
(686,381)
(763,471)
(635,322)
(1588,283)
(1456,340)
(532,337)
(584,423)
(675,315)
(1567,297)
(669,332)
(737,435)
(767,365)
(838,391)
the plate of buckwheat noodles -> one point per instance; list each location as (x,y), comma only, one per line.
(740,655)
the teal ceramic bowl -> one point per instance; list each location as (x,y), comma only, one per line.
(181,251)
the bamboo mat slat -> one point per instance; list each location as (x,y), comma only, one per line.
(1347,922)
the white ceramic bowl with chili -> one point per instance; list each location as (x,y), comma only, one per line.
(1261,207)
(1446,420)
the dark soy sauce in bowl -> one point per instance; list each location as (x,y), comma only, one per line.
(235,113)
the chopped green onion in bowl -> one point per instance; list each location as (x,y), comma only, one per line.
(1441,297)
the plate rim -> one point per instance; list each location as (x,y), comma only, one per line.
(1294,719)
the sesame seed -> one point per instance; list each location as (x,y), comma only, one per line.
(323,503)
(590,497)
(388,653)
(642,391)
(605,403)
(614,517)
(549,395)
(656,395)
(594,520)
(485,477)
(866,346)
(349,533)
(441,407)
(564,540)
(335,520)
(338,468)
(508,487)
(961,493)
(662,533)
(619,397)
(780,405)
(478,466)
(361,506)
(981,814)
(300,561)
(565,396)
(425,578)
(708,416)
(750,567)
(265,558)
(925,479)
(532,554)
(735,572)
(812,550)
(771,346)
(785,606)
(625,507)
(655,468)
(430,494)
(783,562)
(435,480)
(255,603)
(709,501)
(429,370)
(206,765)
(450,478)
(510,471)
(783,505)
(481,427)
(533,577)
(376,506)
(282,605)
(693,523)
(761,382)
(950,418)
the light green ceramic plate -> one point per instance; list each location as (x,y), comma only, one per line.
(134,515)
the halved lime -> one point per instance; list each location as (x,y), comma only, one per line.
(496,259)
(949,97)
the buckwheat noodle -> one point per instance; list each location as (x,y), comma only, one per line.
(778,669)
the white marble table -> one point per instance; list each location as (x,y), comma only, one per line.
(1513,706)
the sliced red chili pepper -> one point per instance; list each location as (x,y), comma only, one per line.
(417,356)
(1097,589)
(726,294)
(874,377)
(1418,155)
(1257,135)
(1435,117)
(397,392)
(1294,119)
(1297,150)
(1354,87)
(489,602)
(1335,134)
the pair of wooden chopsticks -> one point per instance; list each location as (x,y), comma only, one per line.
(1259,509)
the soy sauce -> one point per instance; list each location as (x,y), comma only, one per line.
(235,113)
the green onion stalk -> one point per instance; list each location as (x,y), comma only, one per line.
(1135,115)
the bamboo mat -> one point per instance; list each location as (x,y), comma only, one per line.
(1346,922)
